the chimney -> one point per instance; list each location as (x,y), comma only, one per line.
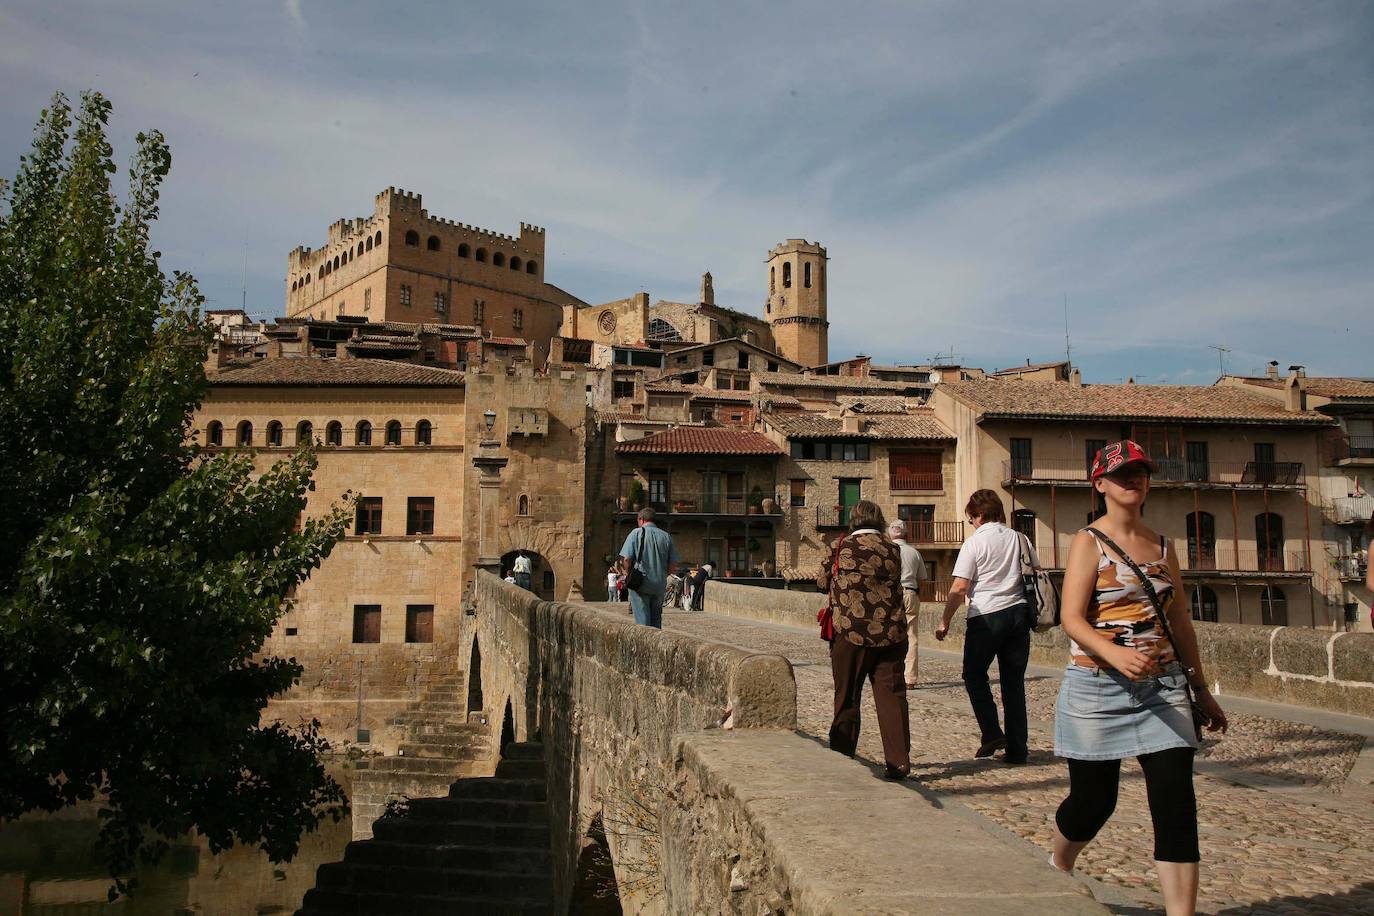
(1295,390)
(852,424)
(1076,378)
(1272,370)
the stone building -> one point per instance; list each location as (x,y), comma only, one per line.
(401,264)
(796,305)
(1234,490)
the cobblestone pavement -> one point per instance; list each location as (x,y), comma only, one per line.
(1291,844)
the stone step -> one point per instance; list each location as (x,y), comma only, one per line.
(482,809)
(523,750)
(465,750)
(454,728)
(416,765)
(496,787)
(331,902)
(532,859)
(417,880)
(460,832)
(520,769)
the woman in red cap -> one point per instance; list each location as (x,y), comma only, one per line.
(1123,694)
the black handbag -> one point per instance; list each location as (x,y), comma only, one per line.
(635,577)
(1200,718)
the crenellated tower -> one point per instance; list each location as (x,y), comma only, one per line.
(796,301)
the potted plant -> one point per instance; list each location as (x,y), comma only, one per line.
(755,501)
(636,495)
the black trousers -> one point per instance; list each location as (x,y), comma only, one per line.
(882,667)
(1005,636)
(1168,788)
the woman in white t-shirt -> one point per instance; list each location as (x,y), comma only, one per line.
(988,574)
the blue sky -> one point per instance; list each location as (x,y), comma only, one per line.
(1183,174)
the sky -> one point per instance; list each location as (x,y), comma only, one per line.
(1172,176)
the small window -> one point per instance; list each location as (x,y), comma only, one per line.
(367,623)
(786,276)
(214,433)
(806,275)
(498,260)
(623,388)
(420,515)
(245,436)
(517,320)
(482,254)
(441,303)
(367,299)
(531,267)
(362,433)
(378,237)
(333,433)
(274,435)
(369,243)
(419,623)
(424,432)
(479,312)
(514,262)
(291,631)
(405,294)
(772,366)
(369,515)
(336,262)
(742,360)
(413,239)
(798,494)
(305,432)
(393,432)
(522,505)
(741,383)
(1023,520)
(463,250)
(360,248)
(432,243)
(1021,463)
(708,357)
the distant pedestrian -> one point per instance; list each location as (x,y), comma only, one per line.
(524,570)
(864,580)
(651,550)
(1133,654)
(510,578)
(699,580)
(913,573)
(988,573)
(613,584)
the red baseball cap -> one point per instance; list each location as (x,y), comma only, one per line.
(1116,456)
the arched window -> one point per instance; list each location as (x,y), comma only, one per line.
(1023,520)
(498,260)
(531,267)
(413,239)
(772,279)
(806,275)
(369,243)
(1202,540)
(522,506)
(293,286)
(305,432)
(424,432)
(393,432)
(514,262)
(307,278)
(481,254)
(464,250)
(214,433)
(1273,607)
(786,275)
(360,248)
(321,273)
(378,237)
(362,433)
(662,330)
(1269,541)
(333,433)
(245,436)
(1204,603)
(274,434)
(432,243)
(336,262)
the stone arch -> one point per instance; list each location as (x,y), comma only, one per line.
(362,433)
(361,249)
(662,330)
(507,728)
(412,238)
(543,582)
(786,275)
(531,267)
(432,243)
(498,260)
(369,243)
(514,262)
(474,702)
(481,254)
(378,237)
(464,250)
(305,432)
(424,432)
(335,262)
(393,432)
(214,433)
(274,434)
(333,433)
(245,433)
(595,889)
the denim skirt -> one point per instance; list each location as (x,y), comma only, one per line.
(1103,715)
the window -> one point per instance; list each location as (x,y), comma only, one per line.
(772,366)
(274,434)
(482,255)
(689,378)
(367,623)
(333,433)
(708,357)
(1204,604)
(362,433)
(622,388)
(806,275)
(1202,540)
(786,276)
(548,580)
(420,515)
(1020,458)
(722,382)
(662,330)
(1090,448)
(517,320)
(532,267)
(405,294)
(498,260)
(367,299)
(378,237)
(441,303)
(920,521)
(1264,463)
(393,432)
(742,360)
(214,433)
(432,243)
(522,505)
(245,436)
(463,250)
(514,263)
(305,432)
(413,239)
(1269,541)
(424,432)
(479,311)
(915,471)
(1273,607)
(419,623)
(659,492)
(336,262)
(369,243)
(1023,520)
(797,497)
(737,558)
(1196,464)
(369,515)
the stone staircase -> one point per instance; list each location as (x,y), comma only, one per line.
(439,745)
(483,848)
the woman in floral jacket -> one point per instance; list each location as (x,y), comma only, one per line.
(865,591)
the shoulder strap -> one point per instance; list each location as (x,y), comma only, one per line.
(1025,547)
(1145,582)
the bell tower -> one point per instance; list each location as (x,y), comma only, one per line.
(796,301)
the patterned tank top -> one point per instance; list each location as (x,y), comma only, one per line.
(1121,610)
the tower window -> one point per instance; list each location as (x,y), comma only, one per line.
(518,319)
(214,433)
(786,275)
(463,250)
(498,260)
(405,294)
(806,275)
(412,239)
(481,254)
(432,243)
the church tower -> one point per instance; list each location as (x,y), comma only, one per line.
(796,301)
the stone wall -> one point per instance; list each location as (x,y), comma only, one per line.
(1297,665)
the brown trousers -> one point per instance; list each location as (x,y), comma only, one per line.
(882,666)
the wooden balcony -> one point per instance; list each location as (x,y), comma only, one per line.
(909,480)
(935,534)
(1171,473)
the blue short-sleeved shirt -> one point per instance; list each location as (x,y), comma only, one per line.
(659,555)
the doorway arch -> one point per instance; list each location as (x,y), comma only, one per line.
(474,703)
(543,582)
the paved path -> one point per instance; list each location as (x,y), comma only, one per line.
(1286,801)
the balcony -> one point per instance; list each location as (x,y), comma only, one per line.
(706,510)
(832,517)
(936,589)
(940,534)
(1171,473)
(1351,451)
(911,480)
(1351,568)
(1225,559)
(1350,510)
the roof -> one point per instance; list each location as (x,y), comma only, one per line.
(919,424)
(786,380)
(1006,398)
(614,416)
(321,372)
(873,403)
(700,440)
(738,341)
(1335,387)
(698,392)
(1030,367)
(504,341)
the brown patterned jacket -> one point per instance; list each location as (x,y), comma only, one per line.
(866,596)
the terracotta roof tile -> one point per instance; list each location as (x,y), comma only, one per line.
(919,424)
(849,382)
(1338,388)
(1181,403)
(685,440)
(873,403)
(318,372)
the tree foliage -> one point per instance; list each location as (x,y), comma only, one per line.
(139,577)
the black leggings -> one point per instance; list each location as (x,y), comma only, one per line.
(1168,786)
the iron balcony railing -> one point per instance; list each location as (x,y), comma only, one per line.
(1351,568)
(1225,558)
(832,516)
(911,480)
(1168,471)
(1345,510)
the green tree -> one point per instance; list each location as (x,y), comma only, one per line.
(139,576)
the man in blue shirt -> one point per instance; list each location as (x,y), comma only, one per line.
(651,550)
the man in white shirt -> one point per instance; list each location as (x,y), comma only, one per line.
(988,573)
(913,572)
(524,569)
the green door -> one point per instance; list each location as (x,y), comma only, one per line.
(849,497)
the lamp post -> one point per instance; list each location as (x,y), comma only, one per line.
(490,465)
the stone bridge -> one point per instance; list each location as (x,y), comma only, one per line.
(684,771)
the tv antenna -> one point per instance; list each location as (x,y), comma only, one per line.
(950,357)
(1068,350)
(1221,356)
